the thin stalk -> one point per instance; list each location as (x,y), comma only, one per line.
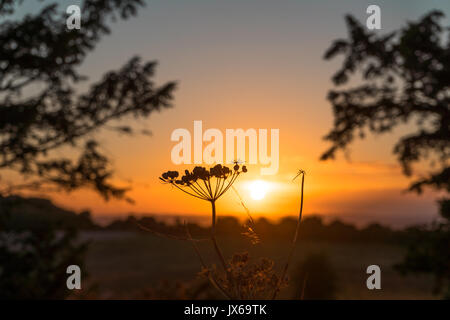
(216,246)
(198,191)
(191,194)
(220,183)
(201,189)
(294,240)
(230,183)
(207,189)
(210,188)
(202,261)
(302,295)
(213,236)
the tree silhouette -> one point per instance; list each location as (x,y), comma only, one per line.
(405,78)
(40,109)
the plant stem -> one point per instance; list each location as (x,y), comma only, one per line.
(210,276)
(294,240)
(213,236)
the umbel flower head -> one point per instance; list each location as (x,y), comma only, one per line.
(205,184)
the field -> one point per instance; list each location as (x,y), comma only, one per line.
(126,264)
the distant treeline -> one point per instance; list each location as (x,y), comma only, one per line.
(311,228)
(17,213)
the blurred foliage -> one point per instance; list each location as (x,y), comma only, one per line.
(33,263)
(405,78)
(429,251)
(43,120)
(38,241)
(21,214)
(247,279)
(41,109)
(312,228)
(315,278)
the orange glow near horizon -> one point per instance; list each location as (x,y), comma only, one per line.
(373,187)
(331,188)
(369,186)
(245,75)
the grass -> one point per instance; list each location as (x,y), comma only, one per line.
(123,264)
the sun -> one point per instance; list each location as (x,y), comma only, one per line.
(258,189)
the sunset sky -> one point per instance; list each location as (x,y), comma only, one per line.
(252,64)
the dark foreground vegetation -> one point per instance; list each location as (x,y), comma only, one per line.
(125,260)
